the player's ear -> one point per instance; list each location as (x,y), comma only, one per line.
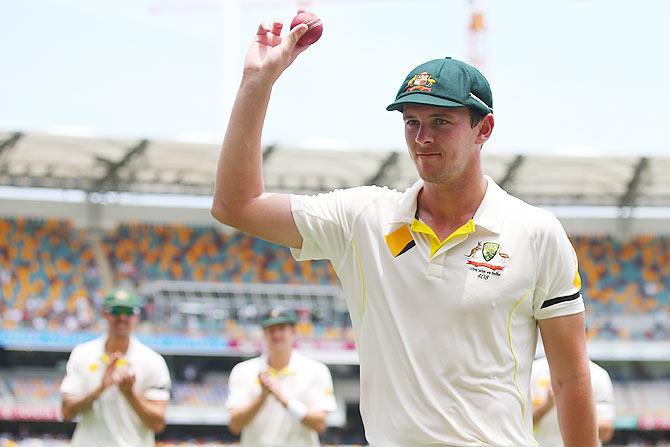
(485,129)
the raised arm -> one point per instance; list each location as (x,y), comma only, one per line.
(74,404)
(565,345)
(240,200)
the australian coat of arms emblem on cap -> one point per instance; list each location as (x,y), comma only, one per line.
(422,82)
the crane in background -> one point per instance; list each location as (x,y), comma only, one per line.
(477,35)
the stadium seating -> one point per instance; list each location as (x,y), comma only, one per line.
(142,252)
(626,286)
(213,391)
(37,388)
(50,281)
(48,276)
(637,397)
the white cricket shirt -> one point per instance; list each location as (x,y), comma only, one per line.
(111,421)
(304,379)
(547,431)
(445,335)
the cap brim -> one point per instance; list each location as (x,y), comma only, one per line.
(121,304)
(278,320)
(420,98)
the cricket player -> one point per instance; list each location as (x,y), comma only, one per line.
(281,398)
(545,420)
(118,386)
(446,283)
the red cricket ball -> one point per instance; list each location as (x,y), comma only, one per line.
(315,27)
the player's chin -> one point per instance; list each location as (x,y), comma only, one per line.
(428,165)
(281,344)
(123,328)
(431,175)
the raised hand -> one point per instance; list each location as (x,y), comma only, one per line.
(108,378)
(267,383)
(270,54)
(550,398)
(270,386)
(126,382)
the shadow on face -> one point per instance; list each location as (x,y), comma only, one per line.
(279,336)
(121,320)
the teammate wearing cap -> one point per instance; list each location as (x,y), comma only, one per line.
(118,386)
(545,420)
(446,283)
(281,398)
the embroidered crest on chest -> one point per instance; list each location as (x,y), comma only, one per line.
(487,259)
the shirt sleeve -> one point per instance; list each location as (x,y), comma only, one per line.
(603,393)
(72,382)
(159,384)
(325,221)
(558,285)
(322,395)
(240,392)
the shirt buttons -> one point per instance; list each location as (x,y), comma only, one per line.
(434,270)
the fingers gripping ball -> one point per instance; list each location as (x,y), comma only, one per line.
(313,32)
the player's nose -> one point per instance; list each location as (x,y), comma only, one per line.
(423,135)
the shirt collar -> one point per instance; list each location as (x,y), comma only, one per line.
(285,371)
(406,209)
(126,355)
(491,211)
(102,340)
(489,215)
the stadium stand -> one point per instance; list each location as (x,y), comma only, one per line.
(50,280)
(48,275)
(36,388)
(213,391)
(41,387)
(141,252)
(637,397)
(626,286)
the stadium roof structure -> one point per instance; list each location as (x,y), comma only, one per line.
(167,167)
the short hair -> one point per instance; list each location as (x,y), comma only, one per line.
(476,116)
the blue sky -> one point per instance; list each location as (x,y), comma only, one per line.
(568,77)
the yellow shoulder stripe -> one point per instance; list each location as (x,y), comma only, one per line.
(577,281)
(398,239)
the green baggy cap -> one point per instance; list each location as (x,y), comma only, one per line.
(278,316)
(445,83)
(122,298)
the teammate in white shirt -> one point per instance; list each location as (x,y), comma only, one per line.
(118,386)
(545,418)
(281,398)
(446,283)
